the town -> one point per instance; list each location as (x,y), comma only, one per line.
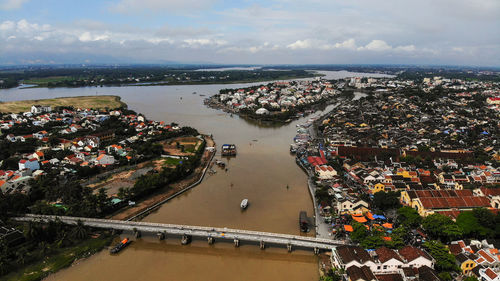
(79,144)
(410,173)
(278,101)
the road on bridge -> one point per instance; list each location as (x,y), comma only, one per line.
(196,231)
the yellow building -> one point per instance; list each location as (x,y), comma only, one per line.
(377,187)
(466,263)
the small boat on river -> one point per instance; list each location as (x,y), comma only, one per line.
(120,246)
(244,204)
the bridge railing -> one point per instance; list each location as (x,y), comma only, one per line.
(189,228)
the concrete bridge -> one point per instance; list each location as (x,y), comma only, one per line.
(212,234)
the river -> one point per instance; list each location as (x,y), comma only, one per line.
(261,172)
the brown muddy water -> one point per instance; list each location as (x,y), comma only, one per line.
(261,172)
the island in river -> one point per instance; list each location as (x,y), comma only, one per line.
(279,101)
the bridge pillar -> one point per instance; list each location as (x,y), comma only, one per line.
(289,247)
(186,239)
(161,235)
(236,242)
(262,245)
(211,240)
(137,234)
(316,251)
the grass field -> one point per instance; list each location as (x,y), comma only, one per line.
(97,102)
(172,161)
(45,80)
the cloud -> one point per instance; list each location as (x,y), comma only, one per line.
(407,48)
(87,36)
(157,6)
(11,4)
(376,45)
(200,42)
(347,44)
(322,45)
(300,44)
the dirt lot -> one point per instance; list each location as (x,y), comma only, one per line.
(160,196)
(190,145)
(97,102)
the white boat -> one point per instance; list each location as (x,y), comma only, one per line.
(244,203)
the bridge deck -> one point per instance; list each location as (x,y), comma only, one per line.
(197,231)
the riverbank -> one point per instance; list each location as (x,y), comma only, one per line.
(96,102)
(62,258)
(66,82)
(147,205)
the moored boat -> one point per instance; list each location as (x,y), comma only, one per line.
(118,247)
(244,204)
(228,150)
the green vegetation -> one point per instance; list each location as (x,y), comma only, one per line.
(441,227)
(409,217)
(331,275)
(386,200)
(374,238)
(172,161)
(444,260)
(140,75)
(155,180)
(59,259)
(48,248)
(479,223)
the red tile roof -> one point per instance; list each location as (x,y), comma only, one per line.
(384,254)
(490,273)
(411,253)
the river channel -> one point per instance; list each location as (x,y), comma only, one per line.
(263,171)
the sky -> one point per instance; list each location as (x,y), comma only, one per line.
(424,32)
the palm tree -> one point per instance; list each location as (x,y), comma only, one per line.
(21,256)
(80,231)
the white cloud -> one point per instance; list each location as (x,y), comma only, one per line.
(87,36)
(156,6)
(376,45)
(11,4)
(300,44)
(407,48)
(347,44)
(7,26)
(198,42)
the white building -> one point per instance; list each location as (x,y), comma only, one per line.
(31,164)
(38,109)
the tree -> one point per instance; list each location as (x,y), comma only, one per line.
(359,232)
(102,199)
(485,217)
(79,231)
(386,200)
(471,227)
(409,217)
(445,276)
(471,278)
(444,260)
(441,227)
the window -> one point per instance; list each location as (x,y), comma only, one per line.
(385,266)
(378,267)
